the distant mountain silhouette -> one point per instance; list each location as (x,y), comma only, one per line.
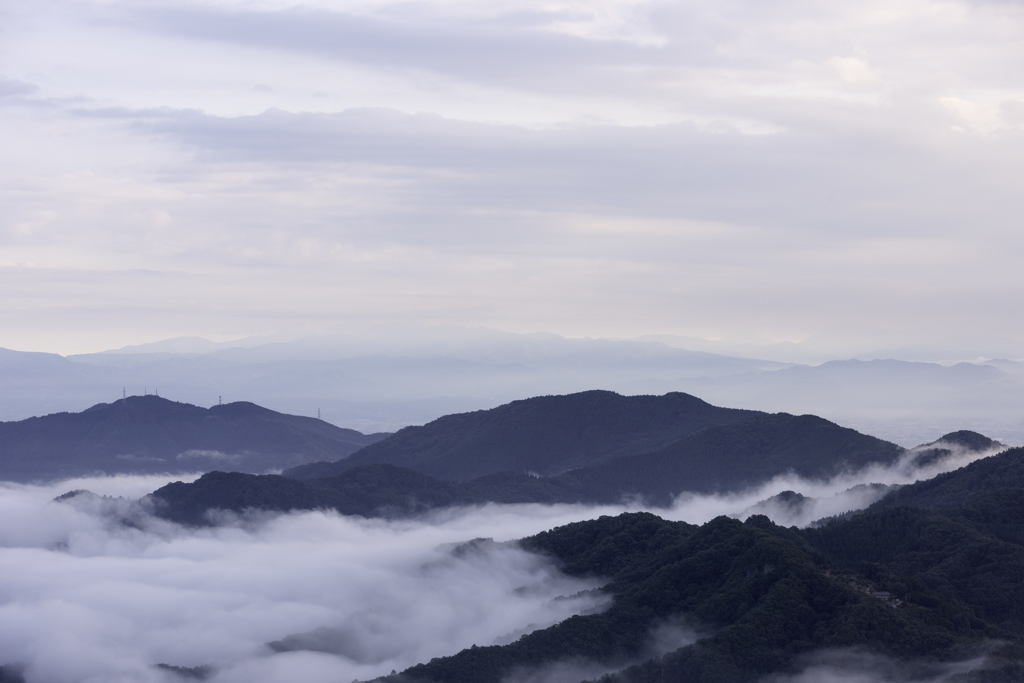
(376,490)
(719,458)
(606,445)
(735,456)
(141,434)
(545,435)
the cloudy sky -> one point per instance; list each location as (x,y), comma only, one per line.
(734,169)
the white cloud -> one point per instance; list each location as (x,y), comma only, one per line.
(83,599)
(853,71)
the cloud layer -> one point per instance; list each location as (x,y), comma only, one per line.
(84,599)
(718,169)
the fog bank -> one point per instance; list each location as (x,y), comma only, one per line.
(84,598)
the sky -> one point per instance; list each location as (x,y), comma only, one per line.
(728,170)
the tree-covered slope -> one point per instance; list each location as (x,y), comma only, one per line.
(919,552)
(605,446)
(378,490)
(957,488)
(758,596)
(721,458)
(733,457)
(151,434)
(716,459)
(544,435)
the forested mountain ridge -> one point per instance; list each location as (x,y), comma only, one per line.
(734,457)
(544,435)
(759,597)
(142,434)
(726,458)
(378,490)
(682,435)
(954,489)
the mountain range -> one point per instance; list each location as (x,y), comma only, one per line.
(387,378)
(593,447)
(923,585)
(148,434)
(705,446)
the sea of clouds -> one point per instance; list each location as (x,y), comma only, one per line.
(84,597)
(98,590)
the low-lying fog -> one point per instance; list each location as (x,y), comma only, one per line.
(84,597)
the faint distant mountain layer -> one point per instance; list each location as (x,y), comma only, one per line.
(382,382)
(372,384)
(144,434)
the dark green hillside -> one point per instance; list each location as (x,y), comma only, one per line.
(368,491)
(759,594)
(715,459)
(237,492)
(724,458)
(957,488)
(374,490)
(735,456)
(545,435)
(151,434)
(932,559)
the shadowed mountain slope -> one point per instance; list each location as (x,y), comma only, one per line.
(726,458)
(378,490)
(733,457)
(143,434)
(550,435)
(718,458)
(545,435)
(957,488)
(758,599)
